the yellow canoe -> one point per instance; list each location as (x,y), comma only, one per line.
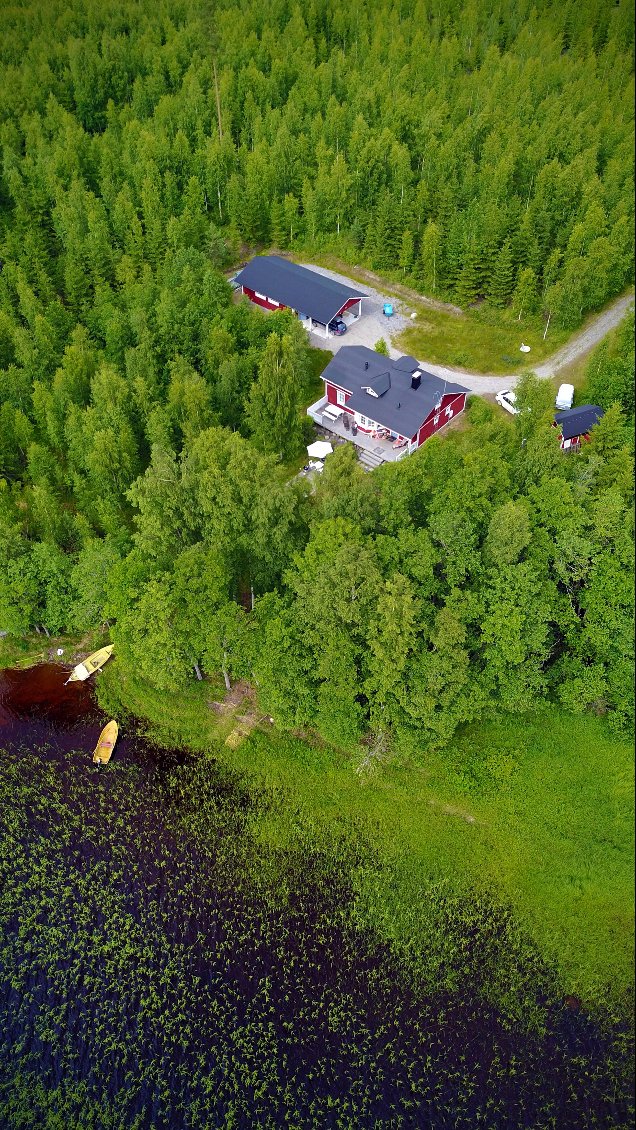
(91,664)
(107,740)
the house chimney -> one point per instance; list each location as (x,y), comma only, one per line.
(366,364)
(398,404)
(416,378)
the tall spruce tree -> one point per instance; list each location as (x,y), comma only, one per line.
(502,279)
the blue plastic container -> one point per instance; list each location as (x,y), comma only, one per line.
(387,309)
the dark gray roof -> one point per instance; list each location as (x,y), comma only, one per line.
(400,408)
(295,286)
(578,421)
(380,384)
(406,363)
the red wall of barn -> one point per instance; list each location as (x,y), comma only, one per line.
(576,441)
(262,301)
(429,427)
(348,305)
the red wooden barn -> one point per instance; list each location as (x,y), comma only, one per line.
(575,424)
(277,284)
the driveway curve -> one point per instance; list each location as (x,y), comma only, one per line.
(373,325)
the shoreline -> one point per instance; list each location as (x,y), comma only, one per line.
(422,820)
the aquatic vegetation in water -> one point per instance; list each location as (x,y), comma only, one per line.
(163,968)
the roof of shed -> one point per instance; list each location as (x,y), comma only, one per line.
(400,408)
(303,290)
(578,421)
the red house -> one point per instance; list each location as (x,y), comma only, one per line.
(277,284)
(395,404)
(575,424)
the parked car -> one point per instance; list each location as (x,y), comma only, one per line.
(564,397)
(507,399)
(337,327)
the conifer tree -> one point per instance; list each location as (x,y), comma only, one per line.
(429,260)
(385,237)
(292,222)
(277,225)
(468,285)
(406,250)
(524,299)
(502,280)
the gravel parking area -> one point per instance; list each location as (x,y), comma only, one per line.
(372,325)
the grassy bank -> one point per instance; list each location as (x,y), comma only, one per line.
(26,651)
(481,339)
(535,811)
(161,965)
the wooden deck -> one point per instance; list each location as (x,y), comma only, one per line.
(373,452)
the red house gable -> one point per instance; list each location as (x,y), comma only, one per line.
(452,404)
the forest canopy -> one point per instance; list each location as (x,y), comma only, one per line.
(486,152)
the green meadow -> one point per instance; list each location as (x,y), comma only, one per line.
(537,812)
(480,339)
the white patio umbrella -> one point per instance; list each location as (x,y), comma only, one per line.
(319,449)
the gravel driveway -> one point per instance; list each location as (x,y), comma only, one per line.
(373,325)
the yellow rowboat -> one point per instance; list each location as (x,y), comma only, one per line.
(107,739)
(91,664)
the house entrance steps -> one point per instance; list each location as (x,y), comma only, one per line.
(370,459)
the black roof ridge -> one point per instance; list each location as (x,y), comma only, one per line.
(569,412)
(576,421)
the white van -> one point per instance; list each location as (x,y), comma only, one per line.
(564,397)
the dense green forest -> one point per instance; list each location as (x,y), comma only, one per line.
(483,151)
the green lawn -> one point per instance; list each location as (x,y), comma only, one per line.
(320,358)
(484,341)
(575,374)
(535,810)
(26,651)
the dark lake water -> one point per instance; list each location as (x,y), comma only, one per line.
(160,967)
